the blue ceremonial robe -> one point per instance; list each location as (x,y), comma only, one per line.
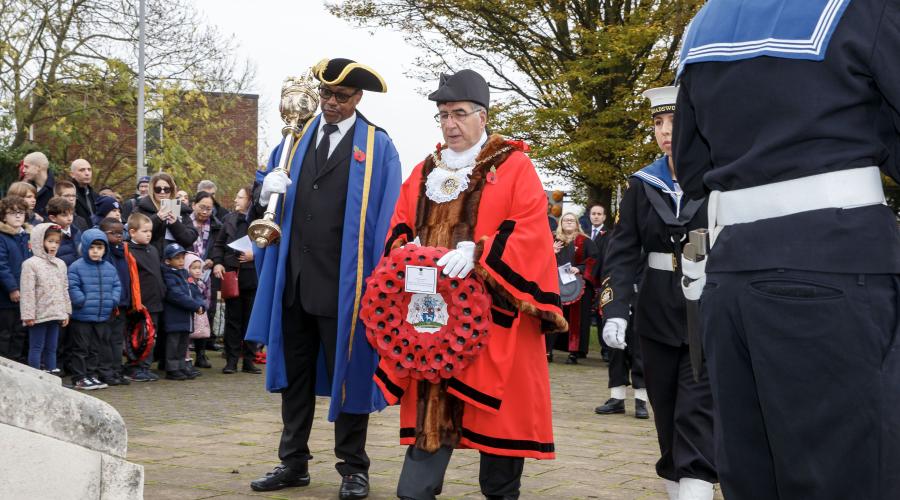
(372,190)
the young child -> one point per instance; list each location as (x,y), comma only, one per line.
(153,289)
(106,206)
(194,266)
(44,291)
(13,252)
(61,211)
(178,315)
(114,231)
(29,194)
(94,289)
(66,190)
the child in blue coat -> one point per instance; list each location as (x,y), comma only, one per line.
(14,249)
(178,313)
(94,288)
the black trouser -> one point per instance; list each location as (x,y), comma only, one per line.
(237,317)
(304,335)
(176,348)
(422,477)
(12,335)
(625,361)
(87,341)
(805,369)
(111,353)
(682,412)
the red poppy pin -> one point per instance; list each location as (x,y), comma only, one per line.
(358,154)
(492,175)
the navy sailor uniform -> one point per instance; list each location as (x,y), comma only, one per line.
(682,408)
(800,311)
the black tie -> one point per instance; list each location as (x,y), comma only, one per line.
(324,146)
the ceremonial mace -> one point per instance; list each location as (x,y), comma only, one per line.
(299,101)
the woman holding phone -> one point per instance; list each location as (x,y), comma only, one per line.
(169,223)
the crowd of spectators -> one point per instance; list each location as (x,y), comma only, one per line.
(95,286)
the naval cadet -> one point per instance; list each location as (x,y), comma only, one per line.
(654,218)
(787,118)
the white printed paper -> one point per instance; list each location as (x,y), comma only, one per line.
(242,245)
(565,273)
(421,279)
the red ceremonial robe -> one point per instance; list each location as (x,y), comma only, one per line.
(506,390)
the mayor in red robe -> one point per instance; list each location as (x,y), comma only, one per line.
(480,195)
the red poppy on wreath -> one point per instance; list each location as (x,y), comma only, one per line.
(426,336)
(358,154)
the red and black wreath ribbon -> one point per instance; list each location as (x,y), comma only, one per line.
(423,355)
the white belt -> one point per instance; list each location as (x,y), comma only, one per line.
(661,261)
(857,187)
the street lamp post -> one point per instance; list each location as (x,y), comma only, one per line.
(141,167)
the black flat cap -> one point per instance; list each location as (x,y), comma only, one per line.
(347,73)
(464,85)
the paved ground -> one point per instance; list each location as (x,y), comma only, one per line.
(208,438)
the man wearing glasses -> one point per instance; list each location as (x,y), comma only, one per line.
(344,179)
(481,196)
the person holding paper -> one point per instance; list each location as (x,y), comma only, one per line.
(576,255)
(228,258)
(480,196)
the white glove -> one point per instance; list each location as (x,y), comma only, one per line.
(694,278)
(614,332)
(460,262)
(275,182)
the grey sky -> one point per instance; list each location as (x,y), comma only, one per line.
(284,38)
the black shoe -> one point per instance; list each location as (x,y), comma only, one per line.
(249,367)
(549,357)
(230,367)
(176,375)
(190,374)
(213,347)
(640,409)
(111,381)
(202,361)
(572,360)
(611,406)
(281,477)
(124,381)
(354,485)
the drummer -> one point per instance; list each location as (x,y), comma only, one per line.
(654,217)
(576,256)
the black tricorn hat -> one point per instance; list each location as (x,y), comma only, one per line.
(464,85)
(347,73)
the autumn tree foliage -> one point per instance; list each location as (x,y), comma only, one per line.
(68,87)
(567,75)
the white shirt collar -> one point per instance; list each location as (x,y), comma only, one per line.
(465,158)
(343,125)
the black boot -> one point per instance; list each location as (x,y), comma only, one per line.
(202,360)
(249,367)
(230,366)
(611,406)
(640,409)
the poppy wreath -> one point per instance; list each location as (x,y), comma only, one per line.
(423,355)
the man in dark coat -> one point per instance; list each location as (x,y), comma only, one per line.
(343,168)
(788,118)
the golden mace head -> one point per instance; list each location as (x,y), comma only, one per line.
(299,99)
